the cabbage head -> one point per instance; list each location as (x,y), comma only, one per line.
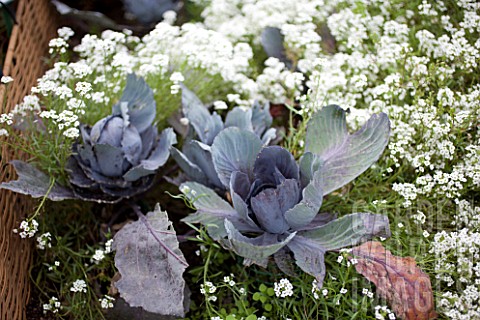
(275,201)
(122,152)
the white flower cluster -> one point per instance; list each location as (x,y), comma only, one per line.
(66,121)
(53,305)
(229,280)
(276,82)
(6,79)
(457,264)
(44,241)
(106,302)
(207,288)
(28,228)
(367,293)
(79,286)
(316,290)
(99,254)
(283,288)
(176,78)
(384,313)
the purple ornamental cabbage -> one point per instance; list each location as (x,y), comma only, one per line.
(276,201)
(121,152)
(118,158)
(195,159)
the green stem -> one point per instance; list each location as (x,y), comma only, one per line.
(52,183)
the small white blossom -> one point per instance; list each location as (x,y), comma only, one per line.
(28,228)
(83,88)
(79,286)
(53,305)
(220,105)
(44,241)
(283,288)
(6,79)
(108,246)
(65,33)
(106,302)
(98,256)
(207,288)
(170,17)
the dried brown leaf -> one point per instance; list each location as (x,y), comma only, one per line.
(398,280)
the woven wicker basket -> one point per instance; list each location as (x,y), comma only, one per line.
(37,24)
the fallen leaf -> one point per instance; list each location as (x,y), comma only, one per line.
(398,280)
(151,265)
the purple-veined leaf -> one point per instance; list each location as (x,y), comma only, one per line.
(261,119)
(309,163)
(349,230)
(211,210)
(235,150)
(319,220)
(255,250)
(307,209)
(239,118)
(156,159)
(151,265)
(192,171)
(344,156)
(140,102)
(35,183)
(206,126)
(269,135)
(309,256)
(201,155)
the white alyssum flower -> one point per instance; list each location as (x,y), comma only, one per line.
(53,305)
(108,246)
(98,256)
(316,290)
(6,79)
(44,241)
(79,286)
(4,132)
(58,45)
(170,17)
(207,288)
(382,312)
(176,78)
(28,228)
(106,302)
(83,88)
(229,280)
(184,121)
(220,105)
(65,33)
(283,288)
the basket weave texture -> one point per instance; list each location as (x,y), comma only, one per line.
(37,24)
